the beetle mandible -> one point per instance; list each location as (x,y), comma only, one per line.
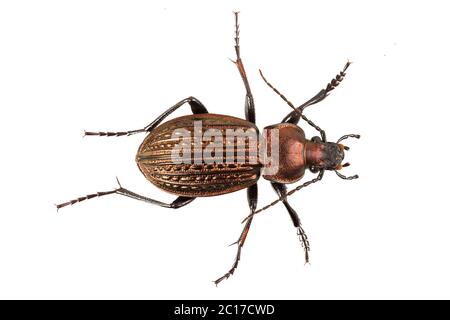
(204,178)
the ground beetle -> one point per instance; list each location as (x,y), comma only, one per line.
(203,178)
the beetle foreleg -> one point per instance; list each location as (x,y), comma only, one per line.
(294,116)
(322,132)
(280,189)
(196,107)
(252,197)
(177,203)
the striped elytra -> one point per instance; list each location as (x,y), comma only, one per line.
(200,176)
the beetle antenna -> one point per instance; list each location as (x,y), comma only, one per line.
(340,175)
(357,136)
(279,93)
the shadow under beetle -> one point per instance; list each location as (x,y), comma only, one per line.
(189,181)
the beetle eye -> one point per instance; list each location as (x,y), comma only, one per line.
(313,169)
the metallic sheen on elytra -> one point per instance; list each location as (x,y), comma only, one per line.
(195,180)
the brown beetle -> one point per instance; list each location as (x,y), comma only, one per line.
(202,175)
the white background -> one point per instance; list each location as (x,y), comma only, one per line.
(66,66)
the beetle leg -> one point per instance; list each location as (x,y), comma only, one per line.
(252,196)
(177,203)
(322,132)
(297,188)
(249,103)
(294,116)
(196,107)
(280,189)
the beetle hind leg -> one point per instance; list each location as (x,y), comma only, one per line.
(240,244)
(252,196)
(177,203)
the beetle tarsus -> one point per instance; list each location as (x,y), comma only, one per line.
(113,134)
(240,242)
(281,191)
(233,268)
(196,106)
(304,241)
(249,102)
(294,117)
(86,197)
(177,203)
(338,79)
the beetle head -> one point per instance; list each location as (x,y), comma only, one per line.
(329,156)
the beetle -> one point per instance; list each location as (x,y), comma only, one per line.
(203,178)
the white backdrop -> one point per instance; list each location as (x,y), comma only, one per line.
(66,66)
